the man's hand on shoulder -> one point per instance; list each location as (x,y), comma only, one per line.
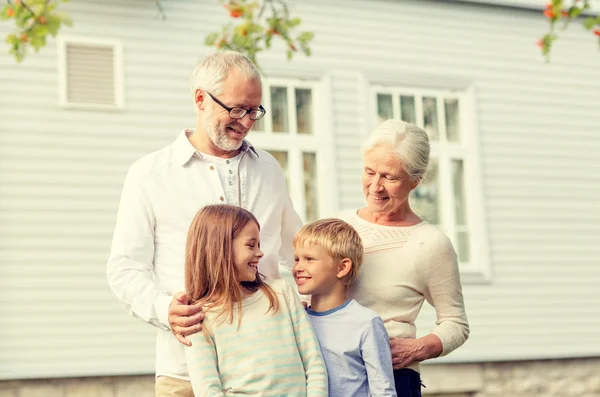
(184,319)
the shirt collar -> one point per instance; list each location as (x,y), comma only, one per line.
(183,149)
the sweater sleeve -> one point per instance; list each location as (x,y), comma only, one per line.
(202,365)
(443,290)
(310,352)
(376,353)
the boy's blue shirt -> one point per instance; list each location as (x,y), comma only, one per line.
(356,349)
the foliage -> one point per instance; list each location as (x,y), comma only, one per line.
(565,11)
(257,24)
(34,21)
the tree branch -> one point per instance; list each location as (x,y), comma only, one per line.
(160,9)
(27,8)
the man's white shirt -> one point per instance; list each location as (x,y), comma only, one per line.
(162,193)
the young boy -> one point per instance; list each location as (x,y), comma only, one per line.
(353,340)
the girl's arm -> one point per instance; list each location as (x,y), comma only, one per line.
(377,356)
(314,366)
(202,366)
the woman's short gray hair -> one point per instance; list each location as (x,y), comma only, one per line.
(214,69)
(408,141)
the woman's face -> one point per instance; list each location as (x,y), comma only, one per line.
(385,183)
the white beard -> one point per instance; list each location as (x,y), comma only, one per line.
(219,136)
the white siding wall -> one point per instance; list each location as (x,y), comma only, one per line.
(61,171)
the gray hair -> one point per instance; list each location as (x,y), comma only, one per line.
(214,69)
(409,142)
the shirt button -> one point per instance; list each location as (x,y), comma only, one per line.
(230,171)
(211,168)
(227,161)
(230,183)
(221,198)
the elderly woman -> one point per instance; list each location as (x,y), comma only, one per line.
(407,260)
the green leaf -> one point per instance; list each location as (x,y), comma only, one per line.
(254,28)
(22,18)
(211,38)
(294,22)
(38,42)
(4,12)
(53,25)
(589,23)
(11,39)
(289,54)
(305,37)
(39,30)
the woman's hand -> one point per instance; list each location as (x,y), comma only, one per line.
(408,351)
(404,351)
(184,319)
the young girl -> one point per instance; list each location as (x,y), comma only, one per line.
(256,339)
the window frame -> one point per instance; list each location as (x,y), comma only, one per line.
(118,69)
(321,142)
(478,269)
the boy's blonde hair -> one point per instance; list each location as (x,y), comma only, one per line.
(338,238)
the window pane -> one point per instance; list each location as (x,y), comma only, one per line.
(424,199)
(282,158)
(407,109)
(279,105)
(459,192)
(452,119)
(259,126)
(310,186)
(463,247)
(304,110)
(430,119)
(385,108)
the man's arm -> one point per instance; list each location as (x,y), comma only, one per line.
(377,356)
(130,267)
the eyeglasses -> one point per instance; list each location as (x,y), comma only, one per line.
(238,113)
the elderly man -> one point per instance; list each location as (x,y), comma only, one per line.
(163,191)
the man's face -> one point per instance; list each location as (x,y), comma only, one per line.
(226,133)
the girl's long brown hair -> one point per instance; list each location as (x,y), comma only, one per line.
(210,275)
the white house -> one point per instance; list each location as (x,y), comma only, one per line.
(515,179)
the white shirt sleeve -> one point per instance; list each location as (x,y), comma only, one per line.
(130,267)
(290,224)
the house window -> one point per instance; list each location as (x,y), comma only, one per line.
(444,198)
(290,133)
(90,73)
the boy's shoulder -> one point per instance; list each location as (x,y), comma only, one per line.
(361,312)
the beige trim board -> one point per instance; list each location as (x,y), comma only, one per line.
(452,378)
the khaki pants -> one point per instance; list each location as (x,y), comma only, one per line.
(172,387)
